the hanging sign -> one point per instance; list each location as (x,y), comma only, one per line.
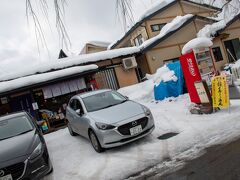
(203,92)
(220,93)
(4,100)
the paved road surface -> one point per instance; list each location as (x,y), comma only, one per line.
(220,162)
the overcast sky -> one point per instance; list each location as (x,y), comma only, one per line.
(86,20)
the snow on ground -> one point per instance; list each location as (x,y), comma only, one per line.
(74,158)
(196,43)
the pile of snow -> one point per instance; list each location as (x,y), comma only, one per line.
(38,78)
(169,27)
(210,30)
(141,91)
(144,91)
(197,43)
(236,73)
(68,62)
(163,74)
(236,64)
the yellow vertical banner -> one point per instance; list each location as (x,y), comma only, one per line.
(220,93)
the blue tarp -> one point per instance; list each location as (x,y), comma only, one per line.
(171,88)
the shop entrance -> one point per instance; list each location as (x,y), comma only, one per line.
(22,103)
(233,49)
(106,79)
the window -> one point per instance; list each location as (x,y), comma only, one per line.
(72,104)
(78,105)
(233,49)
(157,27)
(14,127)
(138,40)
(217,54)
(170,61)
(103,100)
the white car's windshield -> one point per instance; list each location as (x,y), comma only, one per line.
(103,100)
(14,126)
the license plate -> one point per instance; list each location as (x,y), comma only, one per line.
(7,177)
(135,130)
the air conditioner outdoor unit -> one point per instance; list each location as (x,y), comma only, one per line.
(129,62)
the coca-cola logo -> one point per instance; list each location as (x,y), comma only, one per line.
(190,67)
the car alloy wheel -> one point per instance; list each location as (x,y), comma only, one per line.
(70,130)
(95,143)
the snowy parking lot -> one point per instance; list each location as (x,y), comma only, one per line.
(74,157)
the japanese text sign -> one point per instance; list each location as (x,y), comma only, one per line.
(220,93)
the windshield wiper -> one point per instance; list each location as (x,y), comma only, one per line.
(108,106)
(123,101)
(24,132)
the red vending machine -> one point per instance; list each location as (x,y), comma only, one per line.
(191,74)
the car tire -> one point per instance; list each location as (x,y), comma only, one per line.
(70,130)
(95,143)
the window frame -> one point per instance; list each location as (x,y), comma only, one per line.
(138,39)
(72,102)
(218,55)
(160,26)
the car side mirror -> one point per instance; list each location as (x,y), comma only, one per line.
(79,112)
(127,97)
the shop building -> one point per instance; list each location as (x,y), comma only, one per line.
(168,47)
(226,43)
(45,95)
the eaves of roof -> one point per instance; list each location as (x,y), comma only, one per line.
(228,24)
(142,21)
(157,12)
(204,5)
(49,82)
(155,43)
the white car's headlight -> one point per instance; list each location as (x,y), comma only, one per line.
(37,151)
(147,111)
(104,126)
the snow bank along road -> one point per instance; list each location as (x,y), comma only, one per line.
(74,158)
(220,161)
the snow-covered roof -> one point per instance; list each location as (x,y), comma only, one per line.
(68,62)
(211,30)
(99,43)
(175,24)
(196,43)
(156,8)
(26,81)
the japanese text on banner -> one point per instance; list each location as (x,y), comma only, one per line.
(220,94)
